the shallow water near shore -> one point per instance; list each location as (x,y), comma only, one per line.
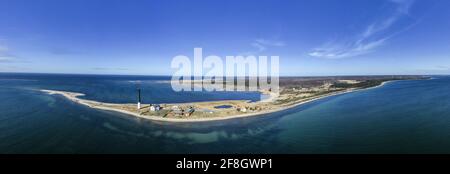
(399,117)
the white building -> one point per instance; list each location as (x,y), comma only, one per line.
(155,108)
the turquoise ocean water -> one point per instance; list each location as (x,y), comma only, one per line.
(400,117)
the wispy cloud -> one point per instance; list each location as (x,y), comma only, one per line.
(439,69)
(12,68)
(442,67)
(261,45)
(403,5)
(65,51)
(5,59)
(5,55)
(3,48)
(372,37)
(109,69)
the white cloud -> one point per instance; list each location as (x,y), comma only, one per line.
(356,49)
(270,42)
(263,44)
(403,5)
(259,46)
(374,36)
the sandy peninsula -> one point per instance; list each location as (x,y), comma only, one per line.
(208,111)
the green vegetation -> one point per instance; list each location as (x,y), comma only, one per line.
(364,84)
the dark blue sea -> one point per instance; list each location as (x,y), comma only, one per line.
(399,117)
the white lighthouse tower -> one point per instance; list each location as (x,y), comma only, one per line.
(139,98)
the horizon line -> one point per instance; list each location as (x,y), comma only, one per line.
(340,75)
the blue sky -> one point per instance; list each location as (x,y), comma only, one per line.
(312,37)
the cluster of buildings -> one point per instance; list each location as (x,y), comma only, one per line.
(155,107)
(174,111)
(177,111)
(248,108)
